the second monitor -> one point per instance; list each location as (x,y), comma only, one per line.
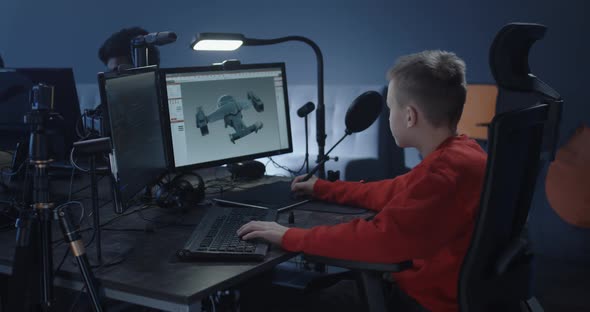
(219,116)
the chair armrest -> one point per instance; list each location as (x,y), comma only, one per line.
(361,266)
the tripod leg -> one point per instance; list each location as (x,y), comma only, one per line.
(43,210)
(24,268)
(46,257)
(77,247)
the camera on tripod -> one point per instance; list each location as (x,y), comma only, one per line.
(33,269)
(42,97)
(37,119)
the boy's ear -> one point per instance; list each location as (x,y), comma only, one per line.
(411,116)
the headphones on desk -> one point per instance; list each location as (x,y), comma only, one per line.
(184,191)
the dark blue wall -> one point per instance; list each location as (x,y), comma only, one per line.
(360,40)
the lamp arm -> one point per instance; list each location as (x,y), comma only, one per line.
(320,110)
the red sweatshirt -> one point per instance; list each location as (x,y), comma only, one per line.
(426,215)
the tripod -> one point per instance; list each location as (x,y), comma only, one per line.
(33,260)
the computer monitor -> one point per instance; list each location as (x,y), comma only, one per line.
(15,86)
(218,115)
(138,159)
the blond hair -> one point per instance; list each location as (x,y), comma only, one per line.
(435,81)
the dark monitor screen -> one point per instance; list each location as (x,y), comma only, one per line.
(133,102)
(15,86)
(218,115)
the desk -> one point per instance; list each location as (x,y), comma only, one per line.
(150,275)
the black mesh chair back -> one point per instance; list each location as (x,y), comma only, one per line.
(495,274)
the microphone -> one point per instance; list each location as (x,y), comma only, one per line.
(302,112)
(305,109)
(155,38)
(361,114)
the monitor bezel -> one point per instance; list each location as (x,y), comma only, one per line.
(121,204)
(220,68)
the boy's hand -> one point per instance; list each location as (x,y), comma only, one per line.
(303,188)
(269,231)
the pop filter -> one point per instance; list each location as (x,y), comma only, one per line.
(363,112)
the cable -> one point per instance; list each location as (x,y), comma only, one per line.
(212,304)
(100,226)
(77,127)
(63,259)
(79,203)
(12,173)
(292,172)
(141,208)
(73,162)
(61,241)
(86,132)
(80,125)
(71,183)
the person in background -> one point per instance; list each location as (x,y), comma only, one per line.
(116,50)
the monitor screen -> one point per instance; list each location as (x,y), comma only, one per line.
(133,102)
(15,86)
(218,115)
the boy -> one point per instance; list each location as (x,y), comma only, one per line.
(426,215)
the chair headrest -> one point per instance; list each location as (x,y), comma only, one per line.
(509,59)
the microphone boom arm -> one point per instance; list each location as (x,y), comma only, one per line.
(325,157)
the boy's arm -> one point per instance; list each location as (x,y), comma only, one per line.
(422,220)
(371,195)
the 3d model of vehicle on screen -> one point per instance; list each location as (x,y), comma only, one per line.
(230,110)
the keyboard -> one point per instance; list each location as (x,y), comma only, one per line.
(215,237)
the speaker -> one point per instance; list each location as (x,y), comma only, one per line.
(183,191)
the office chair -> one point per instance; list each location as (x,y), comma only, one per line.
(495,274)
(496,271)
